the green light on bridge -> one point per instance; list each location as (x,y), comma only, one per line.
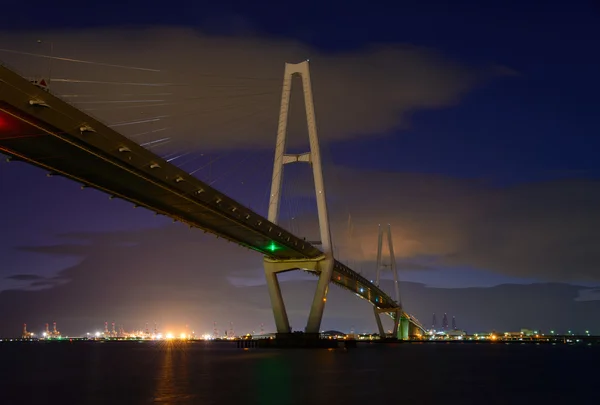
(272,247)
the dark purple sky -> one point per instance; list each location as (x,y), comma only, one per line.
(472,129)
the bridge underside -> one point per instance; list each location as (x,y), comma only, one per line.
(41,129)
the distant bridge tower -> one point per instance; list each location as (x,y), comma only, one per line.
(324,264)
(47,331)
(401,324)
(392,264)
(454,323)
(434,322)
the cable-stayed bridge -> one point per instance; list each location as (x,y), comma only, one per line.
(40,128)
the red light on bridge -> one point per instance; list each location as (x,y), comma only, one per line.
(7,122)
(14,127)
(7,125)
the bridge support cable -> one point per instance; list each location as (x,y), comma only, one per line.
(238,127)
(138,90)
(227,126)
(231,172)
(259,180)
(88,62)
(192,152)
(314,158)
(351,248)
(292,196)
(175,119)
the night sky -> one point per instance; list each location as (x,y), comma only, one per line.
(472,129)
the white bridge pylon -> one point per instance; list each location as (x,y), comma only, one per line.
(322,265)
(401,324)
(392,264)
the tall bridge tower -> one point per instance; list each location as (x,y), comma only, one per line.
(401,323)
(392,264)
(322,265)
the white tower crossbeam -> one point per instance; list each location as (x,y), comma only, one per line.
(324,264)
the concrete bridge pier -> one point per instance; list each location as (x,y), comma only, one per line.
(322,266)
(380,329)
(281,319)
(318,305)
(401,329)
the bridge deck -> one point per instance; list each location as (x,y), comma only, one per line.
(41,129)
(50,137)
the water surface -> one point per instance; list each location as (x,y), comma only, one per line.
(212,373)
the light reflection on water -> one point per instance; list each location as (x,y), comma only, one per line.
(212,373)
(172,382)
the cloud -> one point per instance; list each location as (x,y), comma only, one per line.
(409,265)
(48,283)
(547,231)
(592,294)
(25,277)
(225,91)
(36,282)
(61,250)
